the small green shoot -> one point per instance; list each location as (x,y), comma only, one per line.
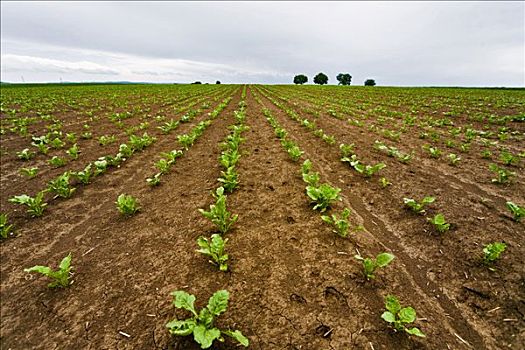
(503,175)
(84,175)
(60,277)
(453,159)
(400,317)
(57,161)
(218,214)
(229,179)
(439,223)
(25,154)
(5,228)
(154,180)
(492,252)
(201,324)
(36,205)
(418,207)
(370,264)
(214,248)
(29,172)
(127,205)
(517,211)
(60,186)
(341,226)
(73,152)
(323,196)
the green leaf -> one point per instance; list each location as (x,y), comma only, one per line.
(44,270)
(428,200)
(182,328)
(384,259)
(65,263)
(218,302)
(392,304)
(407,315)
(415,331)
(205,317)
(326,219)
(184,300)
(388,316)
(205,337)
(237,335)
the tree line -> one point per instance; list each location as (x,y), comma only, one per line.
(321,79)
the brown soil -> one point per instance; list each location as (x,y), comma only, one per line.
(293,283)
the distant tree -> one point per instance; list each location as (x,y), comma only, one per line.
(370,82)
(300,79)
(344,78)
(217,82)
(197,82)
(321,79)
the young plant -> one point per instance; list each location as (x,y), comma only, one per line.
(295,152)
(185,141)
(71,137)
(84,175)
(486,154)
(439,222)
(517,211)
(214,248)
(218,214)
(60,186)
(167,127)
(60,277)
(163,165)
(346,151)
(433,151)
(508,158)
(453,159)
(418,207)
(370,264)
(127,205)
(323,196)
(200,324)
(125,151)
(172,156)
(229,179)
(341,226)
(154,181)
(384,182)
(400,317)
(73,152)
(492,251)
(312,179)
(25,154)
(86,135)
(36,205)
(57,161)
(229,158)
(366,170)
(42,147)
(29,172)
(5,228)
(503,175)
(101,165)
(107,139)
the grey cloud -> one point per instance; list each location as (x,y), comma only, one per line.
(437,43)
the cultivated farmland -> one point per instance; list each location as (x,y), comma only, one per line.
(286,197)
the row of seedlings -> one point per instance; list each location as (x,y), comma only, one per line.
(185,140)
(201,324)
(322,196)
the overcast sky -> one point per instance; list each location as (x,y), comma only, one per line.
(396,43)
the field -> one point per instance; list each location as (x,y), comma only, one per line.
(293,282)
